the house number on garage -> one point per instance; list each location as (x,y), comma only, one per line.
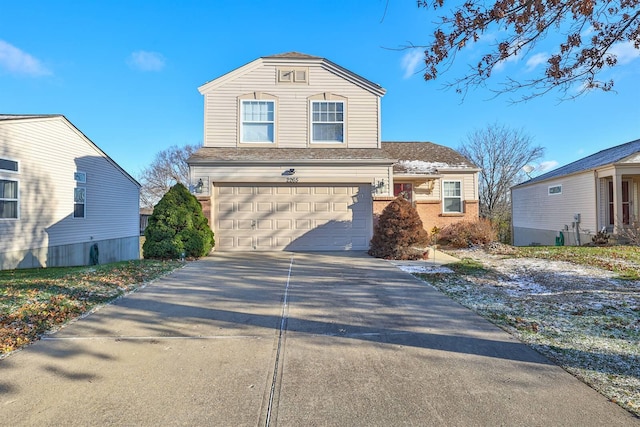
(292,179)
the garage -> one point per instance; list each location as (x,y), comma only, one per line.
(293,217)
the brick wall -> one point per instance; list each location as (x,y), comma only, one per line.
(431,212)
(206,207)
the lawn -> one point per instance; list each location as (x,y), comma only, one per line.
(579,306)
(35,301)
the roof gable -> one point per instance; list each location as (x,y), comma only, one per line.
(82,136)
(295,58)
(594,161)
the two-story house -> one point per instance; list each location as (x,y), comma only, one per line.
(292,159)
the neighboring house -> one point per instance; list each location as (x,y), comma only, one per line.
(292,160)
(598,192)
(60,195)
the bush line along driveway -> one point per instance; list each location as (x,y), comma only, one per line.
(356,342)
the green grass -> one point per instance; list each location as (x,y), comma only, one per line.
(34,301)
(623,260)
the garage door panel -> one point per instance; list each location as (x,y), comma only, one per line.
(292,217)
(244,224)
(284,224)
(245,207)
(303,207)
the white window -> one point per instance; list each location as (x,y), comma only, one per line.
(8,165)
(452,196)
(80,177)
(258,121)
(327,121)
(8,199)
(79,200)
(555,189)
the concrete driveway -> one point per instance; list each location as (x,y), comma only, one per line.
(291,340)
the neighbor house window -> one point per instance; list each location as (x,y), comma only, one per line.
(403,189)
(80,177)
(8,199)
(327,121)
(79,200)
(555,189)
(452,196)
(258,121)
(8,165)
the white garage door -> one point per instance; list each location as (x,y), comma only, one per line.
(292,217)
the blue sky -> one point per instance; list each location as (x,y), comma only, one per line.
(126,73)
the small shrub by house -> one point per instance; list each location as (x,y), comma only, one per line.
(177,227)
(399,233)
(468,233)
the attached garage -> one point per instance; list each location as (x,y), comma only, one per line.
(294,217)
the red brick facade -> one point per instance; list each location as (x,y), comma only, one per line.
(431,212)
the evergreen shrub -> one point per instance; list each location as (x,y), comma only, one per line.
(399,233)
(177,226)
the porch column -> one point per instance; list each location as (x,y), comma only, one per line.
(617,202)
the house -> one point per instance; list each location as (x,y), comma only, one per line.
(598,192)
(292,159)
(61,196)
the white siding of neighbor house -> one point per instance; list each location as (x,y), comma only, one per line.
(535,209)
(292,107)
(49,151)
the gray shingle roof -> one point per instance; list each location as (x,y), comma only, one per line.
(26,116)
(424,157)
(601,158)
(268,155)
(296,55)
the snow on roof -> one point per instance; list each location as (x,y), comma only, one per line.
(422,167)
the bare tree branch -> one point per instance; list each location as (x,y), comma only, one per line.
(591,28)
(168,168)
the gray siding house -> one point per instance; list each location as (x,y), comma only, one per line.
(60,195)
(292,159)
(598,192)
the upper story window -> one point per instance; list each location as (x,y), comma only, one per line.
(8,165)
(404,189)
(327,121)
(8,199)
(555,189)
(79,200)
(452,196)
(258,121)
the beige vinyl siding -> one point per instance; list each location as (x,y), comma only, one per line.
(304,173)
(535,208)
(468,181)
(292,110)
(49,152)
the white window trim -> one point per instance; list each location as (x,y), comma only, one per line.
(76,174)
(444,211)
(17,199)
(75,203)
(275,106)
(556,193)
(10,171)
(344,122)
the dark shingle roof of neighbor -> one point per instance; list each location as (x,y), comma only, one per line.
(432,156)
(601,158)
(26,116)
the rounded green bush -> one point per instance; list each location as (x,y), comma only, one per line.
(177,226)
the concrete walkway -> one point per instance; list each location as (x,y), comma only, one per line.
(291,340)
